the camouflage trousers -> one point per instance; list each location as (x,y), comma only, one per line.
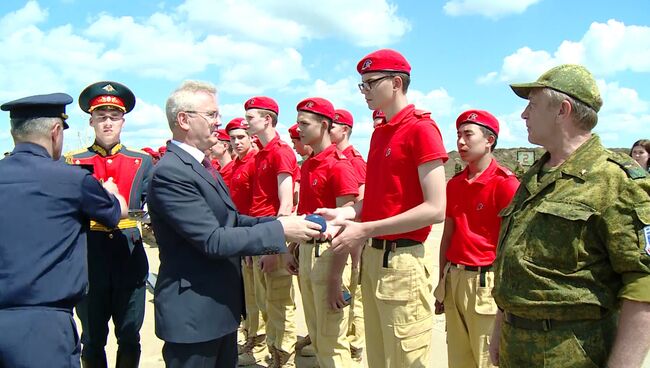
(584,344)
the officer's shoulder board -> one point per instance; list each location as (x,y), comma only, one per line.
(69,156)
(422,114)
(137,152)
(627,164)
(339,155)
(355,153)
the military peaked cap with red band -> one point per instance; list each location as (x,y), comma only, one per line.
(222,135)
(262,102)
(384,60)
(293,132)
(236,123)
(479,117)
(342,116)
(107,93)
(318,106)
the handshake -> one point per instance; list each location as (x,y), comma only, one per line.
(304,228)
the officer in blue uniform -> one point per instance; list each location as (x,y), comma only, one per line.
(47,206)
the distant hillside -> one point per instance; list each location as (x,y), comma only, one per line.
(506,156)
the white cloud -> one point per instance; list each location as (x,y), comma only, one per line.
(293,22)
(343,93)
(488,8)
(606,48)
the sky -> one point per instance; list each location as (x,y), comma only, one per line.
(463,54)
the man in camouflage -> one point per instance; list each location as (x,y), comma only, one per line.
(573,262)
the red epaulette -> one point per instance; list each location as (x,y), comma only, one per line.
(422,113)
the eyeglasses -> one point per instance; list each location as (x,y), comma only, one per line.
(367,85)
(214,115)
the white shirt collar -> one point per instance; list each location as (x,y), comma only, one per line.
(193,151)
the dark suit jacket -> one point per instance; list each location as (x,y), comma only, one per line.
(201,236)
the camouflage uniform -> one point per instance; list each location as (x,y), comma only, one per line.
(572,243)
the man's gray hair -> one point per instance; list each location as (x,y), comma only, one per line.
(25,129)
(584,116)
(182,98)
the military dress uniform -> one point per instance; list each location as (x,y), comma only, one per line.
(43,227)
(573,241)
(117,263)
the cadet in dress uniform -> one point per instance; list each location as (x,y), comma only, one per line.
(117,263)
(43,225)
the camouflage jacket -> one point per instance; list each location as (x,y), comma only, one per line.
(575,240)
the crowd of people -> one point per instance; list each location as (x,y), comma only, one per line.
(549,269)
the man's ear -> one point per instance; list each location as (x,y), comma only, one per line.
(181,121)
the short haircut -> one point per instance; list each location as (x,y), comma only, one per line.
(24,129)
(585,116)
(487,133)
(181,98)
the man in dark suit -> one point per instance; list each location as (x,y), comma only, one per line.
(201,235)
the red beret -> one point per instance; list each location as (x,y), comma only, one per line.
(222,135)
(318,106)
(378,114)
(479,117)
(293,132)
(342,116)
(236,123)
(384,60)
(256,140)
(261,102)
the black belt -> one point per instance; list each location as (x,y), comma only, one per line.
(390,246)
(540,324)
(317,243)
(481,269)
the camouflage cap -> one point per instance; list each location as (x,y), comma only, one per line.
(574,80)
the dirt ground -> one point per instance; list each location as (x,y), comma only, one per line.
(152,346)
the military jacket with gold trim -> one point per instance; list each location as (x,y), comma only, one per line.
(575,239)
(130,170)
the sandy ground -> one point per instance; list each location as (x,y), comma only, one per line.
(152,346)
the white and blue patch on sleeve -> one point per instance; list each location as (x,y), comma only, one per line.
(646,233)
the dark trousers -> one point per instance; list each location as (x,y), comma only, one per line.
(38,337)
(117,270)
(219,353)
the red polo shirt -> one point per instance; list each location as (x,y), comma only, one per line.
(226,172)
(275,158)
(241,182)
(474,207)
(397,148)
(357,162)
(326,176)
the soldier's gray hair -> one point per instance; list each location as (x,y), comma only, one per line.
(182,99)
(583,115)
(24,129)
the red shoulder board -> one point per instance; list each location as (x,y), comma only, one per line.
(356,153)
(422,113)
(505,171)
(339,155)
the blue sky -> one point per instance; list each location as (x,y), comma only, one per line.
(463,54)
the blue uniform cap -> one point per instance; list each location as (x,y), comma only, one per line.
(39,106)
